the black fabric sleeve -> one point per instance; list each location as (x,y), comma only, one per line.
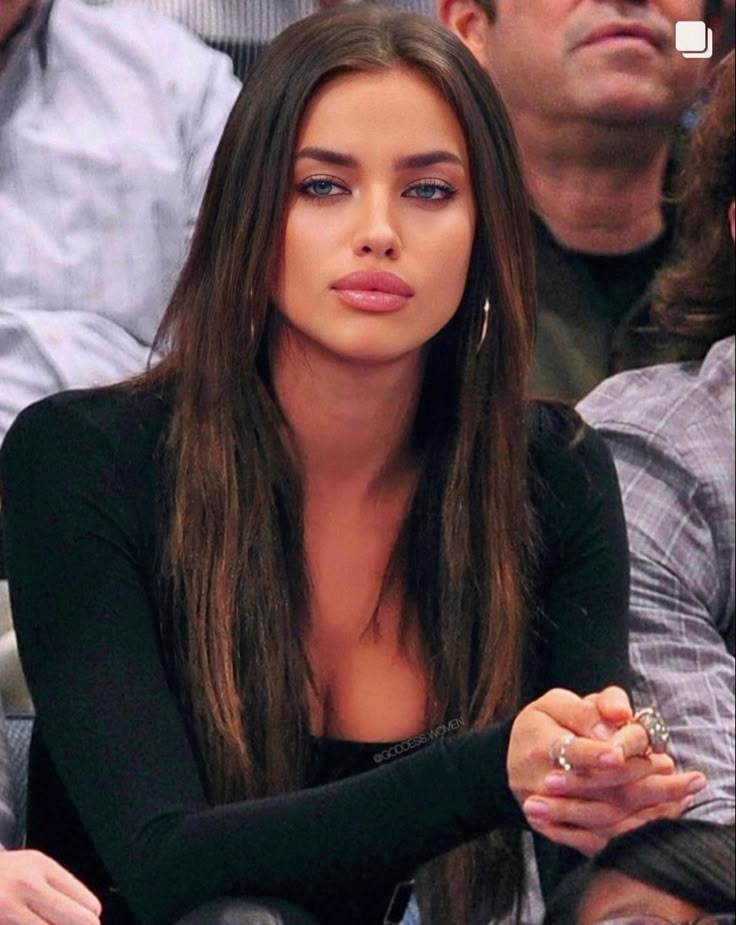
(581,631)
(87,633)
(580,636)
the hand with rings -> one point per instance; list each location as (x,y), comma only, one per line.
(586,769)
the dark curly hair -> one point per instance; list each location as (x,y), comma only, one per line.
(693,298)
(689,859)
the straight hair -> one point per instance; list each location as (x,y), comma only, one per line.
(234,563)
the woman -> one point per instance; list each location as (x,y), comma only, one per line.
(305,537)
(667,871)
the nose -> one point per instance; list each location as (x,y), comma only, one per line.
(376,230)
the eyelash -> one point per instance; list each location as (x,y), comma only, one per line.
(305,188)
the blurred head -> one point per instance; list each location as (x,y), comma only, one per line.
(598,61)
(694,296)
(11,14)
(680,870)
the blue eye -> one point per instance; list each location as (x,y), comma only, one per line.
(320,188)
(430,192)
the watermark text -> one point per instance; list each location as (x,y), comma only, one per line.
(424,738)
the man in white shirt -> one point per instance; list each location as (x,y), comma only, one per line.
(109,118)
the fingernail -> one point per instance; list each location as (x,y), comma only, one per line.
(611,759)
(536,808)
(556,781)
(687,804)
(602,732)
(697,784)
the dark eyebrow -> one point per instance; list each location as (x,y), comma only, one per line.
(327,156)
(426,159)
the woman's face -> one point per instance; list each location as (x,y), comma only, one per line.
(380,223)
(613,895)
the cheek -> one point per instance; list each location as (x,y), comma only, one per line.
(303,251)
(685,9)
(298,241)
(448,258)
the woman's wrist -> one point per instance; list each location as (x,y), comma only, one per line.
(484,798)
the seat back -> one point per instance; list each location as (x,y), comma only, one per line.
(18,729)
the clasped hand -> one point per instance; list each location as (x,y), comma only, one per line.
(616,783)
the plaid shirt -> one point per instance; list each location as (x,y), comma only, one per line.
(671,431)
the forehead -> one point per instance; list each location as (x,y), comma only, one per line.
(612,894)
(389,111)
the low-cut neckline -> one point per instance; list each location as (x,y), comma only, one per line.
(356,743)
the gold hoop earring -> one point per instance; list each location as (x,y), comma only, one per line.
(250,310)
(484,328)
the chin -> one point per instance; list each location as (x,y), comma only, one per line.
(371,351)
(375,355)
(631,107)
(367,345)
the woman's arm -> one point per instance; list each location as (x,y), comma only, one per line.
(73,495)
(579,638)
(581,632)
(582,643)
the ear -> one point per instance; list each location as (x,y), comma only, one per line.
(732,220)
(469,23)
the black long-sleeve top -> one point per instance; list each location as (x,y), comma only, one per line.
(116,793)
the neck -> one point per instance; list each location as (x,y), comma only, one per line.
(597,188)
(350,421)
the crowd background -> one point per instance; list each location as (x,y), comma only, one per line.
(609,322)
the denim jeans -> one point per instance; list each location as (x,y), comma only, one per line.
(532,906)
(412,914)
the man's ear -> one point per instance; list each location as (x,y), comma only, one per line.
(469,23)
(732,219)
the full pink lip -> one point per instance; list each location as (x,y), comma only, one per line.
(372,300)
(623,31)
(375,281)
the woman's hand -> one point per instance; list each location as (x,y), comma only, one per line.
(34,890)
(615,785)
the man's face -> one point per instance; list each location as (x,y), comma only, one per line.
(608,61)
(11,13)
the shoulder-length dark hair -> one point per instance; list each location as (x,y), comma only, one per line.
(689,859)
(693,299)
(235,550)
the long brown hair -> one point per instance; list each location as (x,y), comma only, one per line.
(694,297)
(235,549)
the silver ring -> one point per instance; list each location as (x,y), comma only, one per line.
(658,733)
(558,751)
